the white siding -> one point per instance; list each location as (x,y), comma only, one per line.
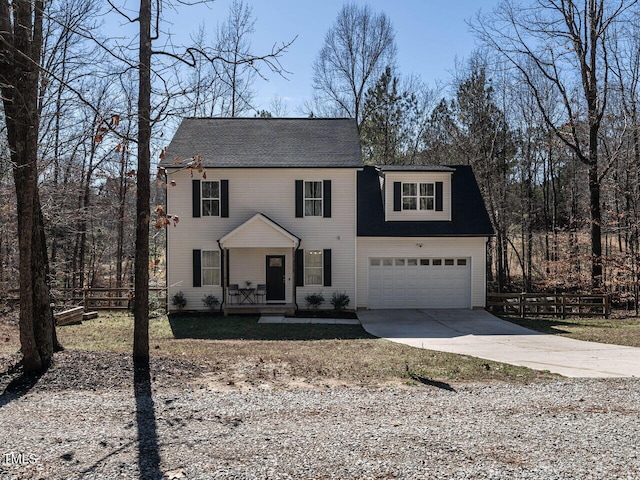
(423,247)
(250,264)
(269,191)
(417,177)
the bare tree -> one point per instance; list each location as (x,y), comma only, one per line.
(356,51)
(567,42)
(20,55)
(233,42)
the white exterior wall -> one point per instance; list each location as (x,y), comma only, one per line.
(417,177)
(270,191)
(472,247)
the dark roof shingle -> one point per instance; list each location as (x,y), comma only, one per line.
(469,216)
(267,143)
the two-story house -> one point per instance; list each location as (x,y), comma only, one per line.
(288,203)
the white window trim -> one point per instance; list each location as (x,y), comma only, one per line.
(203,198)
(203,268)
(321,268)
(305,198)
(418,197)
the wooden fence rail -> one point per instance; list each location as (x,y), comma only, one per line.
(562,305)
(93,298)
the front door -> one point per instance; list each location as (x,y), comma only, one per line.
(275,278)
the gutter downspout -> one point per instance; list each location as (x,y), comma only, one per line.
(223,268)
(295,280)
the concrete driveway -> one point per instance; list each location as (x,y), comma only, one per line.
(479,334)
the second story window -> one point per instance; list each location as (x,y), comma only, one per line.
(418,196)
(210,199)
(312,199)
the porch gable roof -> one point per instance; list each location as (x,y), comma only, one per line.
(259,231)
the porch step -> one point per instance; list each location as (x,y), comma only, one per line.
(262,309)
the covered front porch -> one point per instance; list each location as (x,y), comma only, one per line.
(258,268)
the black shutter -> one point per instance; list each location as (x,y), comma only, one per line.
(397,196)
(326,203)
(226,259)
(195,192)
(299,268)
(299,198)
(438,196)
(224,198)
(197,269)
(326,261)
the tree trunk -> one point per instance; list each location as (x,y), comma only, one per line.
(21,31)
(141,287)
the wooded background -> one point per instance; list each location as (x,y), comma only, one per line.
(546,112)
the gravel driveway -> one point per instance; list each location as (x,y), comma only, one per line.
(566,429)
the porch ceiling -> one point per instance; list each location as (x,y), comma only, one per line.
(259,231)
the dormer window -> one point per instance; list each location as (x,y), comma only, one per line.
(418,196)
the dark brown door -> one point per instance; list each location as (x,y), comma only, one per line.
(275,278)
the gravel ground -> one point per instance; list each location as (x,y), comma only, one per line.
(178,425)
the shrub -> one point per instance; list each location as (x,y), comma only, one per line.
(179,300)
(340,301)
(211,301)
(314,300)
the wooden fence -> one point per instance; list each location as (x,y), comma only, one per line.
(94,298)
(561,305)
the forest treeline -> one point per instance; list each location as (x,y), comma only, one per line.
(545,111)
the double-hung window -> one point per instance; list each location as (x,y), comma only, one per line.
(313,267)
(210,199)
(418,196)
(210,267)
(312,199)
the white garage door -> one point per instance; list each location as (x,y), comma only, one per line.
(396,282)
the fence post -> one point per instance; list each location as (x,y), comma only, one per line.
(564,306)
(522,296)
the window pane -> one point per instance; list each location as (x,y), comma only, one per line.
(462,261)
(313,258)
(409,189)
(210,208)
(313,208)
(437,261)
(210,190)
(210,259)
(375,262)
(313,276)
(426,189)
(424,261)
(313,189)
(409,203)
(211,276)
(400,262)
(387,262)
(448,261)
(412,262)
(426,203)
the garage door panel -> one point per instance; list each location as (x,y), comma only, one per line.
(418,283)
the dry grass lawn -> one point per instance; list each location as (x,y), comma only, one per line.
(237,351)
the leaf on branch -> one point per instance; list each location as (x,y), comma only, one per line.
(173,183)
(97,138)
(160,210)
(162,153)
(175,220)
(177,161)
(161,172)
(118,148)
(131,173)
(161,183)
(115,120)
(204,175)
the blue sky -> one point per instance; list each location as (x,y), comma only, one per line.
(430,35)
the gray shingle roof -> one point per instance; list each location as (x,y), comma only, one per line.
(267,143)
